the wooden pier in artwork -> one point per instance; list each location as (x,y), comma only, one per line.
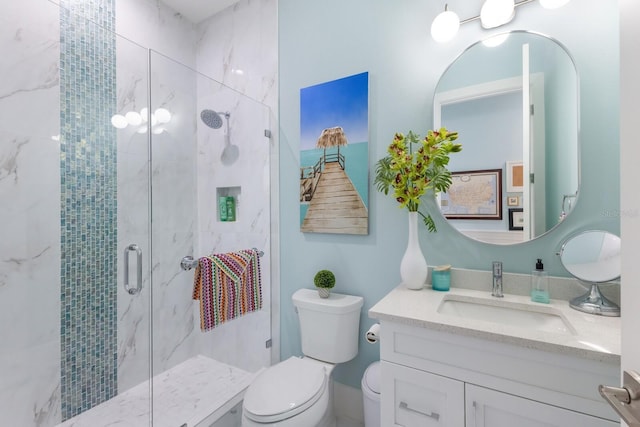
(335,205)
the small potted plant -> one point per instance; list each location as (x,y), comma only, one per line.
(324,281)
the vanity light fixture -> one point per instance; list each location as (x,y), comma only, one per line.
(497,12)
(493,13)
(445,26)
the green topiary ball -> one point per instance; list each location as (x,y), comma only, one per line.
(324,279)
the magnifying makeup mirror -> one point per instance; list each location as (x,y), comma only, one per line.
(593,257)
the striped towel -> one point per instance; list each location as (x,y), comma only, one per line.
(228,286)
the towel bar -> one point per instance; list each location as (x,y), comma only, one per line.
(187,262)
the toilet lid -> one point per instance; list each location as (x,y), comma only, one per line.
(284,390)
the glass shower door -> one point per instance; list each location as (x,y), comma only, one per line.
(134,235)
(208,144)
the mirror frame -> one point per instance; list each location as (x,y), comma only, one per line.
(437,107)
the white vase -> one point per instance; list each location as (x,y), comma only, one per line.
(413,267)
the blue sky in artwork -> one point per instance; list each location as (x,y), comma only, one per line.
(343,102)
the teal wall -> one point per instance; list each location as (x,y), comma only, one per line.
(323,41)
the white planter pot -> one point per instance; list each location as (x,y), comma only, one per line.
(324,292)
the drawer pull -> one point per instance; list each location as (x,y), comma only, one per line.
(434,415)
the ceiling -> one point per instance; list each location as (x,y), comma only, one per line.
(198,10)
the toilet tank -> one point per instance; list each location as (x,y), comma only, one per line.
(329,327)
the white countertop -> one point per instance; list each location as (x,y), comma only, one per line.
(595,337)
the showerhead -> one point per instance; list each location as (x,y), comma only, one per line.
(213,119)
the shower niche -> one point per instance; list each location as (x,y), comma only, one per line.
(228,203)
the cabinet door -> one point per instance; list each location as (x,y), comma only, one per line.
(490,408)
(411,397)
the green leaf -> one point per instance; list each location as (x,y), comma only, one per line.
(428,222)
(384,175)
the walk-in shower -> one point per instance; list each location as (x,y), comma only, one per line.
(82,199)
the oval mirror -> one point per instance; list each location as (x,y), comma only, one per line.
(517,176)
(593,257)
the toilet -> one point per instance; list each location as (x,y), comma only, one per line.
(297,391)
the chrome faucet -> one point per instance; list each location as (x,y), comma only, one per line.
(496,288)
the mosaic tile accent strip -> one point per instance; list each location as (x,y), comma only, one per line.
(88,322)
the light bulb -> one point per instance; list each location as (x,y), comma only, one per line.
(553,4)
(133,118)
(163,115)
(144,113)
(445,26)
(119,121)
(496,12)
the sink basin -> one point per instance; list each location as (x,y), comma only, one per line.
(547,319)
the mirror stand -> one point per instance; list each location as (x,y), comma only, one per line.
(593,302)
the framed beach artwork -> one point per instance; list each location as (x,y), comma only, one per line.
(334,156)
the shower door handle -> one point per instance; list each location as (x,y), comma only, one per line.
(138,251)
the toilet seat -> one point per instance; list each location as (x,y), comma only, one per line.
(285,390)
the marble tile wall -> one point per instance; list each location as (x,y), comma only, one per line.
(29,213)
(239,48)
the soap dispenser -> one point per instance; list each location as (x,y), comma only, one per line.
(539,284)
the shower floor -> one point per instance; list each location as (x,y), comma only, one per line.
(196,392)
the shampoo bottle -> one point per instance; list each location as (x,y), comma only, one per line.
(222,208)
(231,208)
(539,284)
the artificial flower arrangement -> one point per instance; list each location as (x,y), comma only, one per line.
(411,171)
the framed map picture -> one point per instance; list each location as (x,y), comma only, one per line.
(473,195)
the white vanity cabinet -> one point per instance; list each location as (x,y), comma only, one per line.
(412,397)
(436,378)
(489,408)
